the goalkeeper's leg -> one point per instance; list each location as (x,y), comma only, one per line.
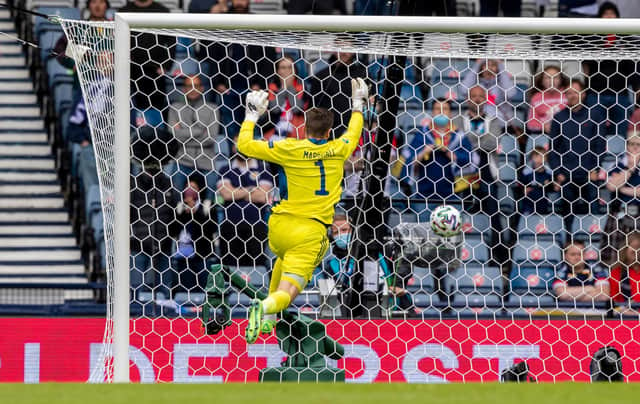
(269,322)
(300,245)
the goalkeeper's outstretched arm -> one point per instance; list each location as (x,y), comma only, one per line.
(359,96)
(257,102)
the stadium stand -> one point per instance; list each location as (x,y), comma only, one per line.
(45,203)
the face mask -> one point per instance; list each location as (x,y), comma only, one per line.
(342,241)
(441,120)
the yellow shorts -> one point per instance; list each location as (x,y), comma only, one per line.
(300,244)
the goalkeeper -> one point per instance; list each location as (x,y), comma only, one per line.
(310,182)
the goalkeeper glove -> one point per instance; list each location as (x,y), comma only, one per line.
(359,94)
(257,102)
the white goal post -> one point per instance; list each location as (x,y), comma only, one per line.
(126,22)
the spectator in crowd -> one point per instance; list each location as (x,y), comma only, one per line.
(484,131)
(195,124)
(317,7)
(578,281)
(97,12)
(536,179)
(153,203)
(287,102)
(573,157)
(624,179)
(440,157)
(151,56)
(340,266)
(491,8)
(634,120)
(547,99)
(331,87)
(608,80)
(625,275)
(245,186)
(219,6)
(194,232)
(623,182)
(233,67)
(491,75)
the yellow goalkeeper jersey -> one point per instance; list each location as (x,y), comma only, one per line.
(311,170)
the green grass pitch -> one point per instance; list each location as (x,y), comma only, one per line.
(564,393)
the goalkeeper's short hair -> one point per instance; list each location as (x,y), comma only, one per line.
(318,121)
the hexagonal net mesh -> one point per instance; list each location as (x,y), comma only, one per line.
(532,138)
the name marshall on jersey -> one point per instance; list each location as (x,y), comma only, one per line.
(310,170)
(311,155)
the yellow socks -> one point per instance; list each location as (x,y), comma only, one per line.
(276,302)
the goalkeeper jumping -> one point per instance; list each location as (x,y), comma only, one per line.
(310,181)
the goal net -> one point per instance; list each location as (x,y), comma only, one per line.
(531,136)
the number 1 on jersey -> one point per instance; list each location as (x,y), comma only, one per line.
(323,181)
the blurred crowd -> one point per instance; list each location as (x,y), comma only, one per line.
(508,147)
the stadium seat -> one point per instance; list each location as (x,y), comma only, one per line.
(422,280)
(506,198)
(537,251)
(616,145)
(532,279)
(255,275)
(475,224)
(537,140)
(238,299)
(308,299)
(588,227)
(507,171)
(476,300)
(47,41)
(474,250)
(529,300)
(424,300)
(541,227)
(474,279)
(92,202)
(42,24)
(592,253)
(57,73)
(508,146)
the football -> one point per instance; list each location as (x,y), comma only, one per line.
(445,221)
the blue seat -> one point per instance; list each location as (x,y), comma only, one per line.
(541,226)
(308,300)
(508,146)
(588,227)
(63,96)
(474,249)
(97,223)
(475,224)
(537,280)
(506,199)
(616,144)
(507,171)
(255,275)
(57,73)
(92,201)
(474,279)
(47,41)
(537,140)
(537,251)
(42,24)
(529,300)
(422,280)
(424,300)
(238,299)
(476,300)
